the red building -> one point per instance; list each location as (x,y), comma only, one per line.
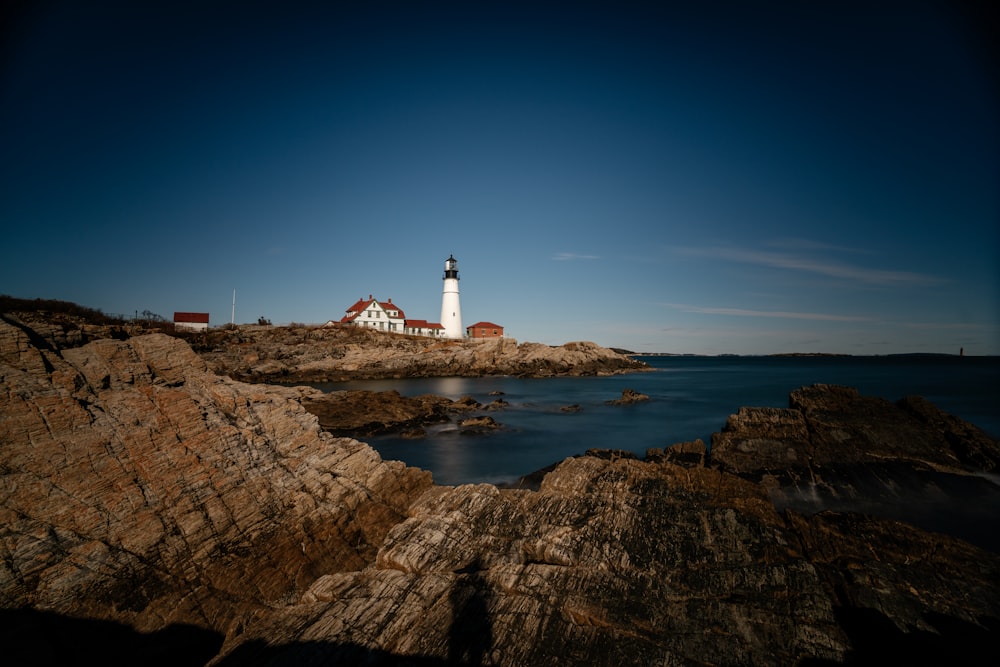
(484,330)
(195,321)
(424,328)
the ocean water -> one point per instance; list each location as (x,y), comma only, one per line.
(690,398)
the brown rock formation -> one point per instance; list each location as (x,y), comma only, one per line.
(619,562)
(299,353)
(478,424)
(140,488)
(288,354)
(564,576)
(140,492)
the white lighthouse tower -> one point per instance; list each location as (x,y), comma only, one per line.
(451,310)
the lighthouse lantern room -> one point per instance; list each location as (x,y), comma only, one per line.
(451,309)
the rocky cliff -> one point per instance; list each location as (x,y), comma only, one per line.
(156,512)
(139,487)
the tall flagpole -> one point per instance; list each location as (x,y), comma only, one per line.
(232,320)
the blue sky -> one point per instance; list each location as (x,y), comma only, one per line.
(722,178)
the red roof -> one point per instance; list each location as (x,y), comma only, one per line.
(484,325)
(363,304)
(423,324)
(359,306)
(192,318)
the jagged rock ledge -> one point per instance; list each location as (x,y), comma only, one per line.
(149,503)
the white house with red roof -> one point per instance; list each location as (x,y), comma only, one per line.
(386,316)
(374,314)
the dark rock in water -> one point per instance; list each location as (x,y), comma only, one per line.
(835,449)
(480,424)
(497,404)
(141,491)
(570,408)
(628,397)
(468,403)
(366,413)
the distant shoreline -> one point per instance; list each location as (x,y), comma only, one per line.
(942,355)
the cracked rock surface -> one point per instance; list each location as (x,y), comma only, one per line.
(157,513)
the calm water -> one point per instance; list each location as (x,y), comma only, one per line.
(691,397)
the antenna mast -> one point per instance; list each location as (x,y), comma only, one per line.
(232,320)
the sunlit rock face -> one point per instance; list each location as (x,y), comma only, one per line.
(625,562)
(287,354)
(141,488)
(141,493)
(611,562)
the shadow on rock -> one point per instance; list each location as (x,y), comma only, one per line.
(878,641)
(470,637)
(39,639)
(321,653)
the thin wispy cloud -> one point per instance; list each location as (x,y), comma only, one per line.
(568,256)
(949,326)
(809,244)
(782,314)
(830,268)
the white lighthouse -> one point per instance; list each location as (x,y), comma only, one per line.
(451,310)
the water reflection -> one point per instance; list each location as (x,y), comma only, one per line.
(451,387)
(449,458)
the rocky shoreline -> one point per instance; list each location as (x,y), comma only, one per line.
(156,510)
(331,354)
(299,354)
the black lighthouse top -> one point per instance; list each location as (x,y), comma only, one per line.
(451,268)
